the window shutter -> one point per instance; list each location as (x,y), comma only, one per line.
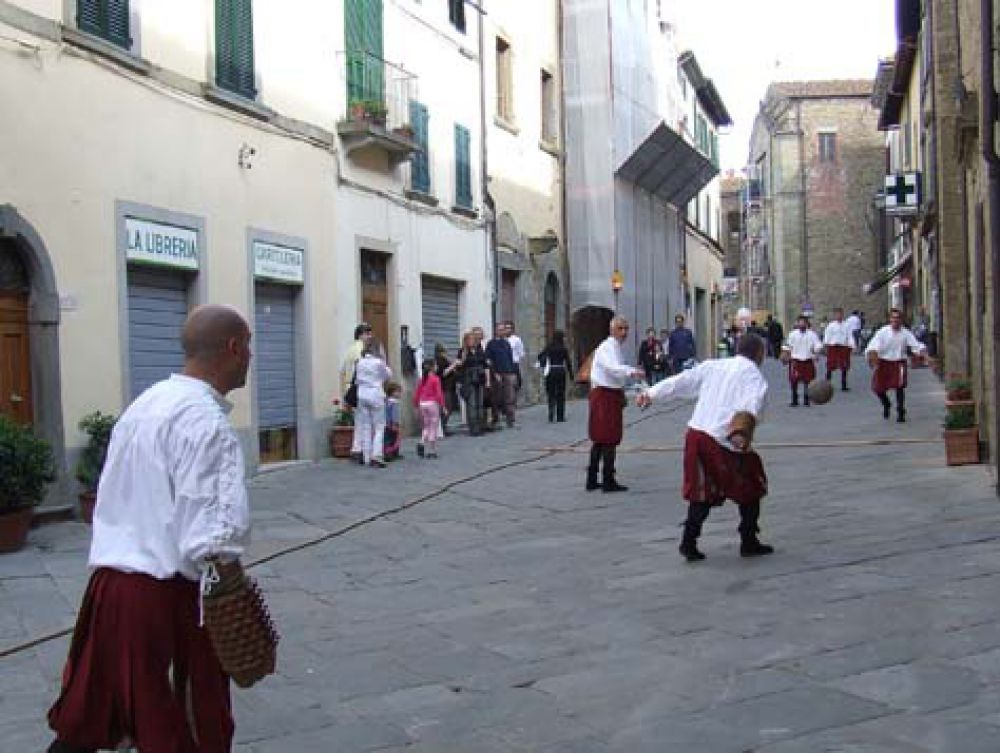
(234,68)
(463,168)
(108,19)
(420,162)
(363,44)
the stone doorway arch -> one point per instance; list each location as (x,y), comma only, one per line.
(19,238)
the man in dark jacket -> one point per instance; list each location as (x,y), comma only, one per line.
(647,354)
(504,381)
(681,346)
(775,336)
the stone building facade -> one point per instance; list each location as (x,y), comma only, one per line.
(820,161)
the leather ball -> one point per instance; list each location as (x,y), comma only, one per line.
(820,391)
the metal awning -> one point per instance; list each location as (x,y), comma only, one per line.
(668,167)
(883,277)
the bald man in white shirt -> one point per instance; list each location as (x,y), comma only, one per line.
(172,499)
(718,461)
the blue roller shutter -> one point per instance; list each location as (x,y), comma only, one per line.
(439,302)
(157,307)
(274,355)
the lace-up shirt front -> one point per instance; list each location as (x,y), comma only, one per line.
(173,491)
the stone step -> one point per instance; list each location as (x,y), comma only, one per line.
(46,514)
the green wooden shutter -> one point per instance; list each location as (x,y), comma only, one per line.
(234,69)
(108,19)
(420,162)
(363,43)
(463,168)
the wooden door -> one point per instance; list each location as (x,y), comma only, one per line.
(375,295)
(508,295)
(551,297)
(15,360)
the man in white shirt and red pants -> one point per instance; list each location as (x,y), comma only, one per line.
(800,354)
(838,341)
(886,353)
(608,376)
(141,670)
(731,394)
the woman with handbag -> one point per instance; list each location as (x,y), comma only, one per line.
(369,419)
(554,362)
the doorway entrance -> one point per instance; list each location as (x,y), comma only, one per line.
(375,295)
(15,351)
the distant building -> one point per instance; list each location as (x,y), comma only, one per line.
(819,160)
(731,188)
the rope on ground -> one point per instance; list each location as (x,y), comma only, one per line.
(444,488)
(765,445)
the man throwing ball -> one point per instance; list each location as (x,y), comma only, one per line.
(718,461)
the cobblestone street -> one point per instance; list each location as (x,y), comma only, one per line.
(484,602)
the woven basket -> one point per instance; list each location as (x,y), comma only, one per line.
(240,626)
(961,446)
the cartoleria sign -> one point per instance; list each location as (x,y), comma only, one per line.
(156,243)
(278,263)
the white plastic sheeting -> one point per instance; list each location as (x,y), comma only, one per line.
(617,93)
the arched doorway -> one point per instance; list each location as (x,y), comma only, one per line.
(15,351)
(551,305)
(30,303)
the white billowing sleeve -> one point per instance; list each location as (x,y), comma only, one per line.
(817,344)
(212,510)
(875,344)
(603,357)
(685,384)
(914,343)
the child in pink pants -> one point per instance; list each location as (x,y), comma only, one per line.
(428,397)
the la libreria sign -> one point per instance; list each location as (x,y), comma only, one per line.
(278,263)
(157,243)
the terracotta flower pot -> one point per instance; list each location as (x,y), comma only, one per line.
(961,446)
(14,529)
(341,438)
(87,502)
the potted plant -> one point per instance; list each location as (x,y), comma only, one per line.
(961,434)
(404,131)
(26,468)
(97,426)
(958,390)
(376,111)
(342,432)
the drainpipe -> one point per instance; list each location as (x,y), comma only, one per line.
(489,243)
(804,203)
(987,139)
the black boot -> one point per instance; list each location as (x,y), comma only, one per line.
(901,416)
(900,406)
(750,545)
(595,459)
(608,483)
(886,406)
(843,382)
(697,513)
(58,746)
(795,397)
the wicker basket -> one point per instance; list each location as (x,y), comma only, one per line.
(961,446)
(239,625)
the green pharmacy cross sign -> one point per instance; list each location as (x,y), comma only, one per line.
(902,193)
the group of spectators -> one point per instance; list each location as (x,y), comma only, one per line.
(668,354)
(482,374)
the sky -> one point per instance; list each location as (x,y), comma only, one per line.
(743,45)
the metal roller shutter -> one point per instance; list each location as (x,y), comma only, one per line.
(439,300)
(157,307)
(274,355)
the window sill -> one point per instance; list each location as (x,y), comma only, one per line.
(472,214)
(236,102)
(501,122)
(549,146)
(424,198)
(106,49)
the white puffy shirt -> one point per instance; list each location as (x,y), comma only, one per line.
(723,387)
(853,323)
(173,489)
(803,345)
(891,344)
(516,348)
(838,333)
(608,369)
(372,373)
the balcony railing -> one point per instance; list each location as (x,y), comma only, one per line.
(378,92)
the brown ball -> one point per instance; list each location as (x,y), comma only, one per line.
(820,391)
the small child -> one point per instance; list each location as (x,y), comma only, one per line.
(393,436)
(429,398)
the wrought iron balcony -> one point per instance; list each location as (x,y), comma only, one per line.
(378,106)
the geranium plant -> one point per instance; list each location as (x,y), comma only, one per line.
(342,414)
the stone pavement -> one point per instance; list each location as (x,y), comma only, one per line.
(516,612)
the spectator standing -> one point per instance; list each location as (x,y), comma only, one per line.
(680,346)
(504,377)
(428,398)
(646,356)
(474,378)
(854,326)
(393,436)
(775,336)
(447,371)
(555,366)
(362,336)
(518,353)
(369,418)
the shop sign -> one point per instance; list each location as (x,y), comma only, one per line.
(156,243)
(278,263)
